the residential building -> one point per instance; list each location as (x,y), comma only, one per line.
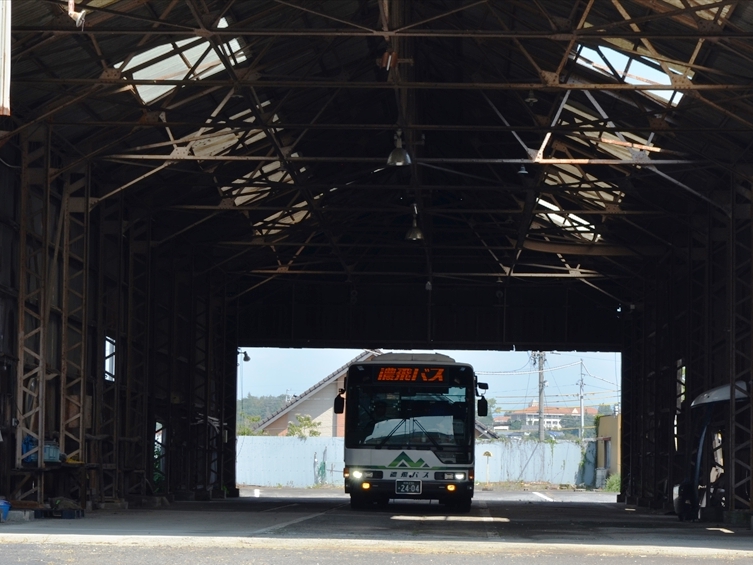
(529,416)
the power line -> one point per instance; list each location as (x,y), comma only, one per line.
(517,373)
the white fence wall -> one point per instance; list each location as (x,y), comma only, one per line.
(294,462)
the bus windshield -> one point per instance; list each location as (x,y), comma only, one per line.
(409,417)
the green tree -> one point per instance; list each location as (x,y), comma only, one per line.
(247,426)
(571,426)
(306,427)
(251,410)
(516,424)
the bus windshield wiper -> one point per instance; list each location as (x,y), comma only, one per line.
(434,442)
(386,439)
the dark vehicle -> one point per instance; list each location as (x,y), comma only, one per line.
(704,492)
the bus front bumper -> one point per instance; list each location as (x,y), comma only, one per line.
(385,489)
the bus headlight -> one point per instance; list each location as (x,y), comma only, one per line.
(357,474)
(451,476)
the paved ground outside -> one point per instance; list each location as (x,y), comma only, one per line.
(274,525)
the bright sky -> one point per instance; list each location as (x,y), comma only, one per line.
(512,379)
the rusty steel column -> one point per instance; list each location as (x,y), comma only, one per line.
(110,348)
(75,301)
(137,442)
(225,360)
(31,376)
(737,464)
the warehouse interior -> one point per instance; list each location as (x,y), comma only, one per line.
(183,178)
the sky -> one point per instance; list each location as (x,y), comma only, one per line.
(513,380)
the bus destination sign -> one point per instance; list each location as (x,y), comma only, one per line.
(412,374)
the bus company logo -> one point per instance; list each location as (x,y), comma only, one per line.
(410,475)
(411,374)
(403,460)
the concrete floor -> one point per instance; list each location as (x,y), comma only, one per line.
(557,520)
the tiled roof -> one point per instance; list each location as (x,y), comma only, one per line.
(365,356)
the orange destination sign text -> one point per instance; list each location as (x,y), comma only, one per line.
(412,374)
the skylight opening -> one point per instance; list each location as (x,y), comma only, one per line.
(221,141)
(571,223)
(601,193)
(174,61)
(639,70)
(278,221)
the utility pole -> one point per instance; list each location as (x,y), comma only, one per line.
(540,358)
(582,415)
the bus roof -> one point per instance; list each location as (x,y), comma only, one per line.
(408,357)
(720,394)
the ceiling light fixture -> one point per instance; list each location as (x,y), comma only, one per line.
(523,170)
(399,156)
(77,17)
(414,233)
(531,98)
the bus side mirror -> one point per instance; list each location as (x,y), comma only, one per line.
(339,404)
(483,407)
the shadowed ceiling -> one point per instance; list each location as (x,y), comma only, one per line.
(556,148)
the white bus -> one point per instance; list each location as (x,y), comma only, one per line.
(410,429)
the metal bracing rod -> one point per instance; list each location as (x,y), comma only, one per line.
(401,30)
(286,162)
(127,15)
(177,149)
(539,155)
(115,191)
(667,14)
(422,274)
(674,79)
(572,43)
(643,161)
(516,41)
(267,188)
(585,250)
(326,104)
(235,125)
(44,116)
(325,16)
(549,86)
(187,228)
(605,116)
(645,41)
(501,35)
(526,149)
(443,212)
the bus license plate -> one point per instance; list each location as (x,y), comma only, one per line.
(408,487)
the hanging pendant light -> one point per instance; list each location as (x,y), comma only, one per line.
(414,233)
(399,156)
